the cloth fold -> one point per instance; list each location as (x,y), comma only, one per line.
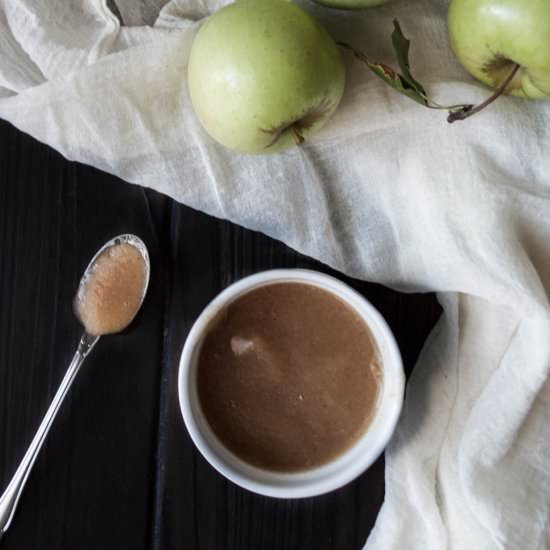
(387,191)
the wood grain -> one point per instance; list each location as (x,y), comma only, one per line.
(118,470)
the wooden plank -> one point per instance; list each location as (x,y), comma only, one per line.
(90,487)
(119,470)
(197,508)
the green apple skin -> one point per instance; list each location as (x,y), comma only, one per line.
(262,72)
(489,36)
(350,4)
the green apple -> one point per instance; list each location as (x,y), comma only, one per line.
(351,4)
(264,75)
(491,37)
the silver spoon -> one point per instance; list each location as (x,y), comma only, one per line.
(10,498)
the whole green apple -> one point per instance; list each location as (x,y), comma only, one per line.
(264,75)
(350,4)
(491,37)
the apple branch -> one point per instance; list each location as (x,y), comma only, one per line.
(468,111)
(403,82)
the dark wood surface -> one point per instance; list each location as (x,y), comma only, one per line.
(118,470)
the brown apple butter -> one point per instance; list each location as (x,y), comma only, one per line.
(288,376)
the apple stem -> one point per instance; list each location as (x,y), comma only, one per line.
(298,137)
(464,113)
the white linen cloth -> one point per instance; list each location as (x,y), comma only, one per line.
(388,192)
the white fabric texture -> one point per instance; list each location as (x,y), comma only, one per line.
(387,192)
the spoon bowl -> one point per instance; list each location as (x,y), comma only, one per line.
(124,299)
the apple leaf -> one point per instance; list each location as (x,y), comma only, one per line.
(403,82)
(390,77)
(398,82)
(401,45)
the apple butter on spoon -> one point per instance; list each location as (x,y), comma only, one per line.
(109,296)
(111,291)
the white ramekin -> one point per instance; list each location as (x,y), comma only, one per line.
(347,466)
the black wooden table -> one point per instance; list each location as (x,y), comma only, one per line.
(118,470)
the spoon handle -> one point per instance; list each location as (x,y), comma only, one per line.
(10,498)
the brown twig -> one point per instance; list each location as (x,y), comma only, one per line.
(463,114)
